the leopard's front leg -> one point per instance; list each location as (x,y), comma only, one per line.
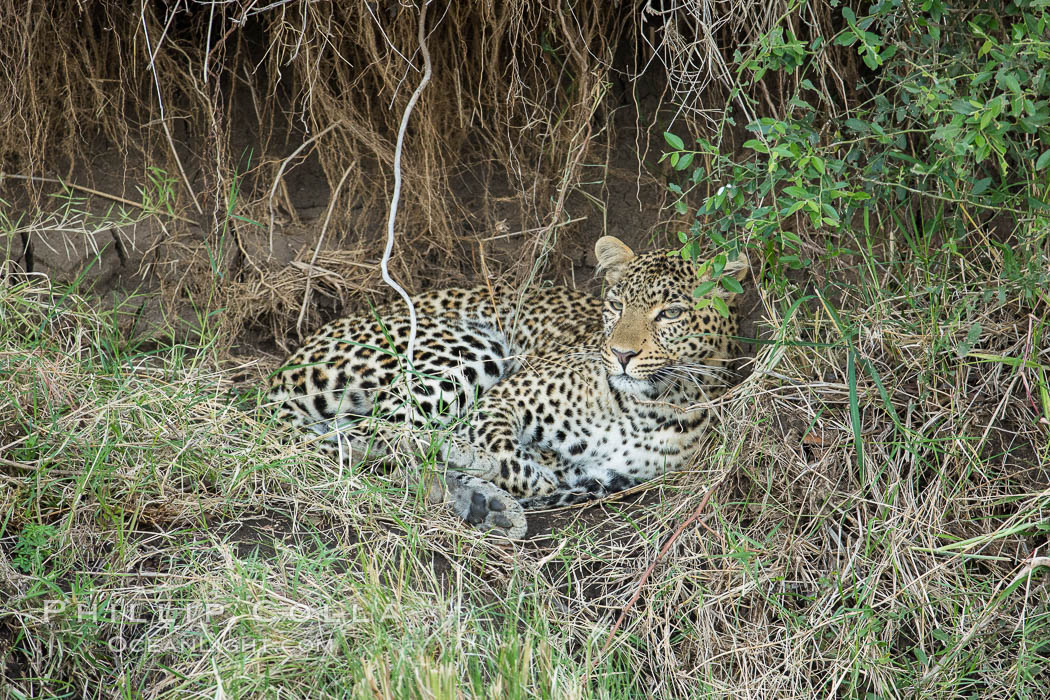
(496,446)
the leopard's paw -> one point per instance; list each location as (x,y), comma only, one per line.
(482,504)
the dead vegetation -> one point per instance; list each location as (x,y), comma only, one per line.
(247,109)
(869,521)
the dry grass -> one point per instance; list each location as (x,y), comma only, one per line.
(263,109)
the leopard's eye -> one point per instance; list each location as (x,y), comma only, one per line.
(615,305)
(670,314)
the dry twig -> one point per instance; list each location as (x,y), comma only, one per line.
(697,512)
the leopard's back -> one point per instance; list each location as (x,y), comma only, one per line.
(353,369)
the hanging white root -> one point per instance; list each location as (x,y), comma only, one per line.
(385,264)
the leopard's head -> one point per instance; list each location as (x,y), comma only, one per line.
(654,334)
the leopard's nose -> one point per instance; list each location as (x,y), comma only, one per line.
(624,356)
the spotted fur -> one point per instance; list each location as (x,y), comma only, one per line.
(552,399)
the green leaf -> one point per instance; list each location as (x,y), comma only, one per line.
(684,162)
(857,125)
(704,288)
(756,145)
(1012,83)
(731,284)
(964,107)
(1043,160)
(846,38)
(673,141)
(972,336)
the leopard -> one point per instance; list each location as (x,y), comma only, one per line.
(528,401)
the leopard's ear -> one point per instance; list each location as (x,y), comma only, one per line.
(738,268)
(613,256)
